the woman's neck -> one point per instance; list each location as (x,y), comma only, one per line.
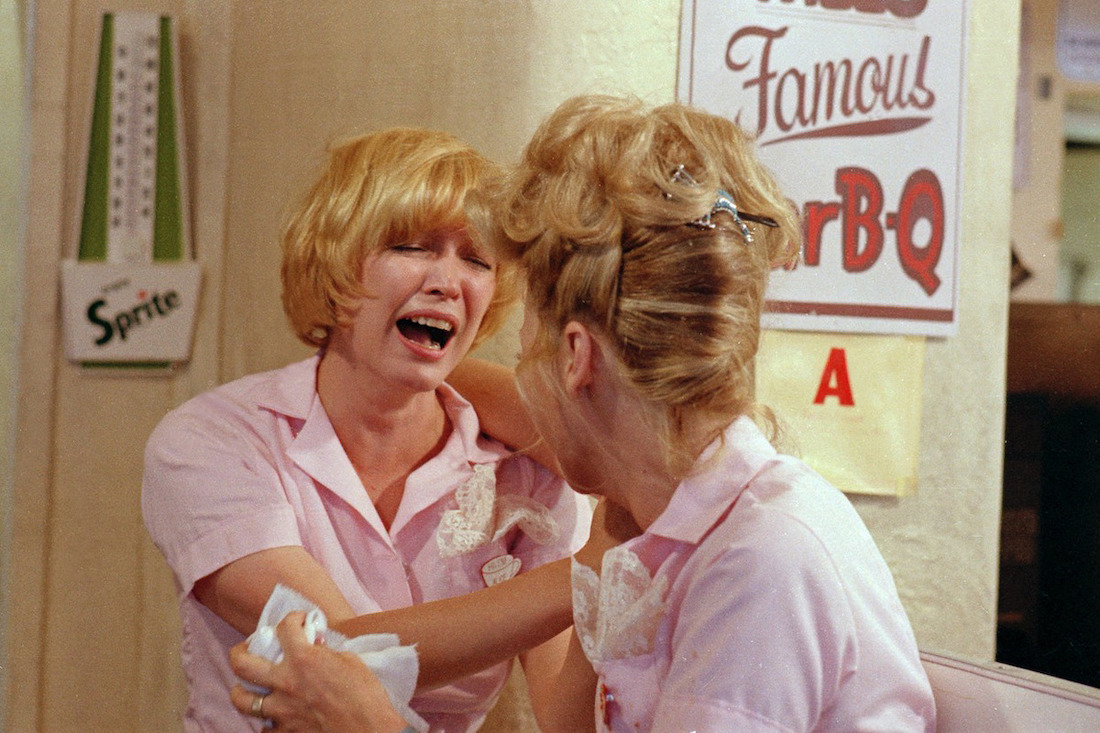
(641,475)
(386,432)
(626,460)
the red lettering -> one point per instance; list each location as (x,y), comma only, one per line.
(816,214)
(795,78)
(857,185)
(834,381)
(827,79)
(863,235)
(899,8)
(922,97)
(922,198)
(868,67)
(764,75)
(824,100)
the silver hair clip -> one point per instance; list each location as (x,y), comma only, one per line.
(723,202)
(680,175)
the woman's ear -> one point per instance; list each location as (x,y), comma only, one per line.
(580,357)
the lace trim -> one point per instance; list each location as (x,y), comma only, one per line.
(483,517)
(617,613)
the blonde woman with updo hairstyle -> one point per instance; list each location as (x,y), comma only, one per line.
(754,598)
(598,217)
(359,477)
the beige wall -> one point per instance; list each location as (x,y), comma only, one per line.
(12,216)
(487,71)
(83,568)
(265,85)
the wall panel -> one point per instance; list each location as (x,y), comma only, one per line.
(94,632)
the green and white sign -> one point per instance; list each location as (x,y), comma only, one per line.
(130,295)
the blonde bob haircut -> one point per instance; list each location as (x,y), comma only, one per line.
(604,229)
(374,191)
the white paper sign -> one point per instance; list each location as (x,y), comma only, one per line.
(858,109)
(119,312)
(850,405)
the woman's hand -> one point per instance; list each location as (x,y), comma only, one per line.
(612,525)
(313,688)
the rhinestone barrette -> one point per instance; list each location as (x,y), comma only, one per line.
(723,202)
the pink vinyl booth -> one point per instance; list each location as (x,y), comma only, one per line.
(997,698)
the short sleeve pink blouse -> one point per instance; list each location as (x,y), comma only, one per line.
(255,464)
(778,611)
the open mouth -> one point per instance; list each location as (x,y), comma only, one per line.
(431,333)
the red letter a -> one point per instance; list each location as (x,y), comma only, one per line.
(834,381)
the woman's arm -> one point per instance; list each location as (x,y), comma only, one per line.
(238,591)
(561,685)
(455,637)
(529,616)
(491,388)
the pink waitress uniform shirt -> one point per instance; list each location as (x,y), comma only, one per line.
(255,464)
(780,614)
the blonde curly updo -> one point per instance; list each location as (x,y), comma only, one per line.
(604,234)
(373,191)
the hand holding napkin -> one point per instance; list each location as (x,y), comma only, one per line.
(396,666)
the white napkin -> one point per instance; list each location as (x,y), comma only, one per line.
(395,666)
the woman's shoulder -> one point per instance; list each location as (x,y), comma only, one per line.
(789,521)
(788,490)
(791,527)
(239,403)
